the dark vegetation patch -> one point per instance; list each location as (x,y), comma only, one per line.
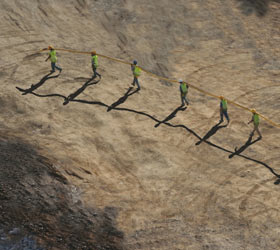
(260,7)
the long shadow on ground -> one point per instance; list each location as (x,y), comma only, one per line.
(37,85)
(67,99)
(72,96)
(171,116)
(211,132)
(246,145)
(122,99)
(173,126)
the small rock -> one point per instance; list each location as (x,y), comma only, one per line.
(4,238)
(15,231)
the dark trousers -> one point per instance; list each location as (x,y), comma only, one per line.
(94,72)
(256,128)
(184,99)
(224,113)
(135,80)
(54,66)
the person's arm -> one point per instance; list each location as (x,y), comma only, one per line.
(251,120)
(48,58)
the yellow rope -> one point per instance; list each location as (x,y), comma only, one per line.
(168,80)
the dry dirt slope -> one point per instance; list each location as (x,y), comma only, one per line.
(165,191)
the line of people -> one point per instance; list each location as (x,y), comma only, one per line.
(255,116)
(184,87)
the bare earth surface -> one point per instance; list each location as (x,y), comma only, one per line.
(112,169)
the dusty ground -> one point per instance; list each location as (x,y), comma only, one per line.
(158,177)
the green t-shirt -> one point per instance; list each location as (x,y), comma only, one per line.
(52,54)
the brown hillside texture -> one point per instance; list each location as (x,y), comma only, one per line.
(160,187)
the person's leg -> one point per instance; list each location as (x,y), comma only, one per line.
(134,80)
(57,67)
(137,83)
(258,131)
(53,66)
(253,132)
(221,115)
(182,99)
(96,73)
(226,115)
(186,100)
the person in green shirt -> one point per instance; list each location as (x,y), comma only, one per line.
(136,73)
(256,120)
(223,110)
(94,64)
(52,56)
(184,87)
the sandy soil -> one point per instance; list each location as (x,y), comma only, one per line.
(165,178)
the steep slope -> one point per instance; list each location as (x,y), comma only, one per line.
(167,190)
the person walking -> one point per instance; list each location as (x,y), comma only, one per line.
(256,120)
(52,56)
(223,110)
(94,64)
(136,73)
(184,87)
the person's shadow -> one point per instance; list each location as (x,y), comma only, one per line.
(122,99)
(171,116)
(37,85)
(72,96)
(248,143)
(211,132)
(91,80)
(277,182)
(181,126)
